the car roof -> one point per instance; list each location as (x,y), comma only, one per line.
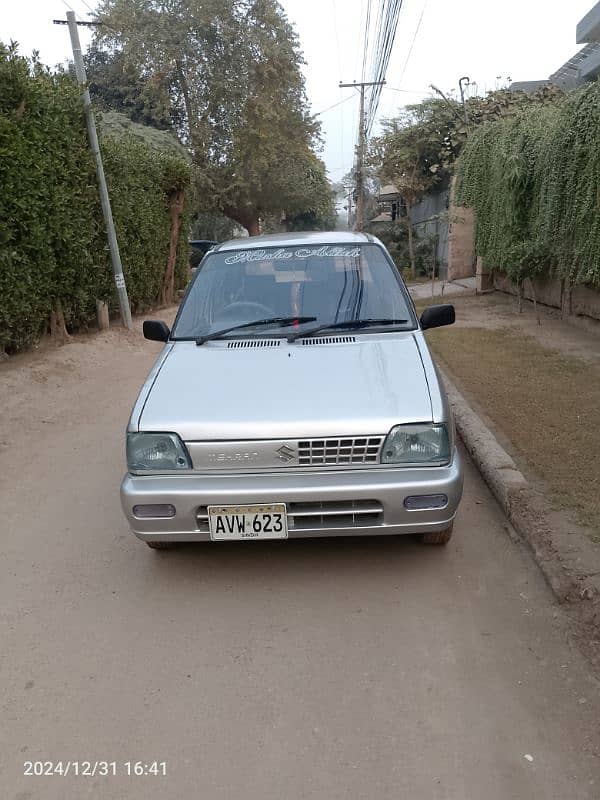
(303,239)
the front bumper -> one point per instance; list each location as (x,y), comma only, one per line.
(328,503)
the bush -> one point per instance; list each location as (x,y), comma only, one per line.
(52,236)
(394,236)
(533,182)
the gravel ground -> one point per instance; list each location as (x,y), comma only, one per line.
(371,668)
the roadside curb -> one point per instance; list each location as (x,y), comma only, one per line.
(523,506)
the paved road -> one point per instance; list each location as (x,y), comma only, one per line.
(372,669)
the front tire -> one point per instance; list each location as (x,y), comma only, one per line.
(438,537)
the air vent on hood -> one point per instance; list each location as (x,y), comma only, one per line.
(330,340)
(254,343)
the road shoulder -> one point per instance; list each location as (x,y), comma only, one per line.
(568,560)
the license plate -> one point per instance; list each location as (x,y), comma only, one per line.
(232,523)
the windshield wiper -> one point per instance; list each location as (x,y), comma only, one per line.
(281,321)
(352,324)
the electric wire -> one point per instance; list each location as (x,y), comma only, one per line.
(362,7)
(386,43)
(339,59)
(335,105)
(337,38)
(89,8)
(367,39)
(413,41)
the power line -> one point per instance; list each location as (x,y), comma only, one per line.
(407,91)
(413,41)
(335,105)
(337,38)
(77,14)
(89,8)
(385,46)
(362,8)
(382,26)
(367,37)
(339,59)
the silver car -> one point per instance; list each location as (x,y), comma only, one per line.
(295,396)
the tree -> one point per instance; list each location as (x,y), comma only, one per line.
(232,72)
(116,84)
(418,149)
(407,157)
(441,127)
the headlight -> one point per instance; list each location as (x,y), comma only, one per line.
(417,444)
(156,451)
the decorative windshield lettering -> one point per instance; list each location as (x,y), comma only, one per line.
(246,256)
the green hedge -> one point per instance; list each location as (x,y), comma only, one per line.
(533,181)
(52,236)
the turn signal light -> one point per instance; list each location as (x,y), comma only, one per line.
(155,511)
(425,502)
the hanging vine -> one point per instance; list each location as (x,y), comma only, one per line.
(534,182)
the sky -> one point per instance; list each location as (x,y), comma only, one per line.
(489,42)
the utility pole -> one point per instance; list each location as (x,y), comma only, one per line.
(360,151)
(349,190)
(115,256)
(462,98)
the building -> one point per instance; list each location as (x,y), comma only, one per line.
(583,67)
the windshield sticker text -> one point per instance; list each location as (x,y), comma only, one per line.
(245,256)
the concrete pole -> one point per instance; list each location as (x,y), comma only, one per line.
(113,245)
(360,151)
(349,189)
(360,191)
(462,98)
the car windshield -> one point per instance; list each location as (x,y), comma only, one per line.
(328,283)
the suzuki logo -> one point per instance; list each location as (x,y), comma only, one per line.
(286,453)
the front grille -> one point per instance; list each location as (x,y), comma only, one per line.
(320,515)
(253,343)
(334,514)
(355,450)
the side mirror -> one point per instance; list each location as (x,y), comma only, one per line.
(436,316)
(156,330)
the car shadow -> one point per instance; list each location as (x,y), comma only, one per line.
(295,559)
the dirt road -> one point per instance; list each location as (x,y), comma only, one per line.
(372,669)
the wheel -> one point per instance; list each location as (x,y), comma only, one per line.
(438,537)
(161,545)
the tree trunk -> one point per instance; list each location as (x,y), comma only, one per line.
(167,291)
(566,299)
(253,227)
(535,305)
(247,218)
(520,296)
(58,328)
(411,247)
(433,270)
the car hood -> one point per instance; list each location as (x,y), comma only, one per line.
(215,392)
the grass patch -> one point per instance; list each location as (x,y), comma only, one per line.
(544,402)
